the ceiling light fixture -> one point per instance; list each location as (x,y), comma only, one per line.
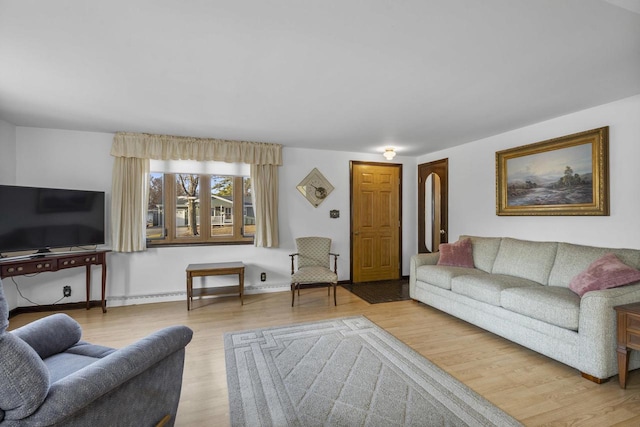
(389,153)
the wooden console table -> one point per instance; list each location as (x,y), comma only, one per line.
(628,337)
(214,269)
(55,262)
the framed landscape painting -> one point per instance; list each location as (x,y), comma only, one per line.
(562,176)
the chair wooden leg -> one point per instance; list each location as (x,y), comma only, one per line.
(295,286)
(335,300)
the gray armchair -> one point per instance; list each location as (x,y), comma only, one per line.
(49,377)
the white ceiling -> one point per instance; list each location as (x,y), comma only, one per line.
(420,75)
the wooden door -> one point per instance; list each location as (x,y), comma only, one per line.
(376,194)
(433,205)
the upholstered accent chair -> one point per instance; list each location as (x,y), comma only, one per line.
(49,377)
(314,258)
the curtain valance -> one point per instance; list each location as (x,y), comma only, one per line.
(167,147)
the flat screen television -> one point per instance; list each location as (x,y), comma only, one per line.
(33,218)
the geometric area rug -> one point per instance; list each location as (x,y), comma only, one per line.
(344,372)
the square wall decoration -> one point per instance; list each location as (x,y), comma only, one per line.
(315,187)
(562,176)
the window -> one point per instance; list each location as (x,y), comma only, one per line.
(199,208)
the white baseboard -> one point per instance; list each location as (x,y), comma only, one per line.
(123,300)
(263,289)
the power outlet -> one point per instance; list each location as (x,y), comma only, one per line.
(66,291)
(263,276)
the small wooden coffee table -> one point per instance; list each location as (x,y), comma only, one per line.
(214,269)
(628,337)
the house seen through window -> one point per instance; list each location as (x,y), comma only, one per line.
(190,208)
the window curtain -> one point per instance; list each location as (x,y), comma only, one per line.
(264,182)
(264,159)
(129,199)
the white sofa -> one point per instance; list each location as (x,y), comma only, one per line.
(519,290)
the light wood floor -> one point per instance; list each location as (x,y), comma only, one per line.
(532,388)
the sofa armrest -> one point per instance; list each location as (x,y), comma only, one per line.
(424,259)
(597,325)
(418,260)
(75,392)
(50,335)
(597,306)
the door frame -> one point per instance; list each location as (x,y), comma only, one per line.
(424,169)
(351,200)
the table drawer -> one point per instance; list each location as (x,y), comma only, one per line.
(27,268)
(633,341)
(633,323)
(76,260)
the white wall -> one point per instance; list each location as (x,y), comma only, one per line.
(299,218)
(472,197)
(8,177)
(7,153)
(81,160)
(58,158)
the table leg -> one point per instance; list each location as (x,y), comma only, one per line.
(88,281)
(104,285)
(189,290)
(241,279)
(623,365)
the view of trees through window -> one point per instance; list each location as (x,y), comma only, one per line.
(155,208)
(184,195)
(187,205)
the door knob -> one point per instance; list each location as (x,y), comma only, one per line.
(442,232)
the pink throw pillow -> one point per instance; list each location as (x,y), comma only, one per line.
(458,254)
(604,273)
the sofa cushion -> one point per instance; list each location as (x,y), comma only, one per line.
(485,250)
(84,348)
(458,254)
(526,259)
(60,333)
(604,273)
(572,259)
(23,376)
(487,288)
(440,275)
(75,358)
(314,275)
(551,304)
(62,365)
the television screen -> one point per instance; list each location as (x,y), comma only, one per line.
(34,218)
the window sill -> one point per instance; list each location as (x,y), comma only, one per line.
(186,245)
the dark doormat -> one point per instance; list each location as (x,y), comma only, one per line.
(383,291)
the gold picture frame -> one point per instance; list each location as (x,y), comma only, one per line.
(561,176)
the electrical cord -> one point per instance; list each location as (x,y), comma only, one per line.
(27,299)
(33,275)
